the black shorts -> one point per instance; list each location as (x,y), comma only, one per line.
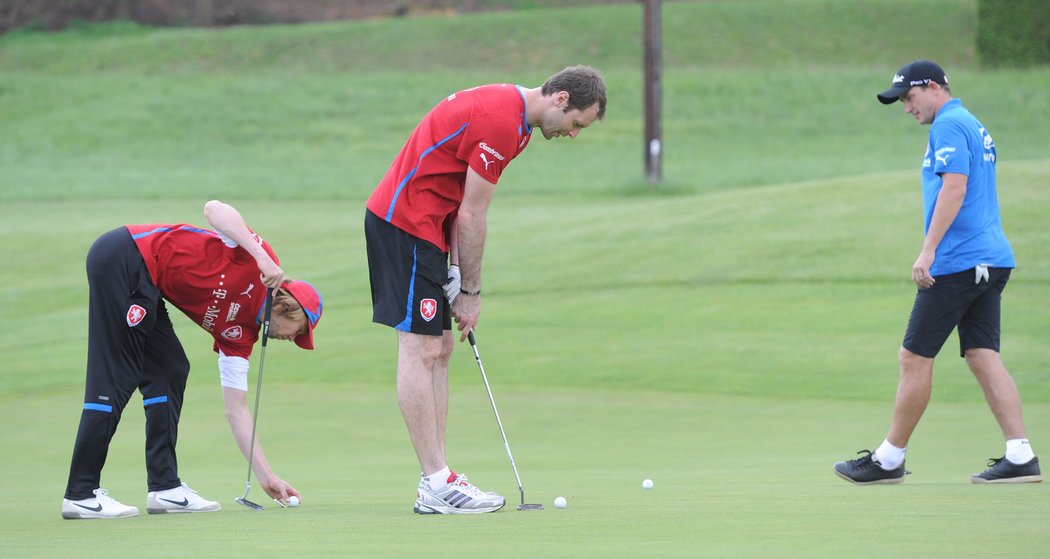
(407,276)
(957,300)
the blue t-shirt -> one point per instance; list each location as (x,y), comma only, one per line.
(960,144)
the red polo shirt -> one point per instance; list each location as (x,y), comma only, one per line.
(482,127)
(215,285)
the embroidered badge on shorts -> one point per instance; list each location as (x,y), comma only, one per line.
(135,315)
(428,309)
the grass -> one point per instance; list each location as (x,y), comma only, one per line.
(795,33)
(316,111)
(814,284)
(730,334)
(721,490)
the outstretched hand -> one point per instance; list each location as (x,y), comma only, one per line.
(278,489)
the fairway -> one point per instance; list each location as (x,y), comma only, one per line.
(729,333)
(734,477)
(736,416)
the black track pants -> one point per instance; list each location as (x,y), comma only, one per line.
(131,345)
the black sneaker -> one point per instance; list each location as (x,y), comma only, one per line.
(865,471)
(1001,470)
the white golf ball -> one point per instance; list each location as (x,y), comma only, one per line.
(293,501)
(647,484)
(560,503)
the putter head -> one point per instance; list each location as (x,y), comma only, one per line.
(249,504)
(530,506)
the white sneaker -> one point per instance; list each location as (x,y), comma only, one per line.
(179,499)
(99,506)
(458,497)
(424,485)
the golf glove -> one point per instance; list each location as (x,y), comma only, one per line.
(453,284)
(981,273)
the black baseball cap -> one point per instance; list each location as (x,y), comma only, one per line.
(920,72)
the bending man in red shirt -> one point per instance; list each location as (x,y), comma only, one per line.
(429,210)
(219,279)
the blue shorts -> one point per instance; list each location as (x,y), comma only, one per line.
(408,276)
(957,300)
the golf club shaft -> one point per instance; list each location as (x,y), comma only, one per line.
(492,400)
(258,388)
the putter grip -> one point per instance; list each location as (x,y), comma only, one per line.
(470,336)
(266,315)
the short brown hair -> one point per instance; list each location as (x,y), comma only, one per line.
(584,85)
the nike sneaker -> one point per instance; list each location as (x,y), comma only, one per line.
(179,499)
(1001,470)
(458,497)
(866,471)
(99,506)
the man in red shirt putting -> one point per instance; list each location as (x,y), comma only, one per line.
(429,212)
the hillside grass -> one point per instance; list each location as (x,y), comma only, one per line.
(755,93)
(726,34)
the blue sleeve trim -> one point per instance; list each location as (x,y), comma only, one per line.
(167,229)
(151,232)
(98,407)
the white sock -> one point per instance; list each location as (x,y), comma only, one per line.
(1019,451)
(438,479)
(889,456)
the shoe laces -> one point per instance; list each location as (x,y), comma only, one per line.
(183,490)
(993,462)
(102,496)
(867,460)
(467,487)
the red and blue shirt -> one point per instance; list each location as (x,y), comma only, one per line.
(482,128)
(216,285)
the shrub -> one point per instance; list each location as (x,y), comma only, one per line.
(1013,33)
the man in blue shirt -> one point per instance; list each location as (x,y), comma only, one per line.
(960,272)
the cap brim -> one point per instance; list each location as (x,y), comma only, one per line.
(893,94)
(306,341)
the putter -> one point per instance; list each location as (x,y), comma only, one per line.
(258,392)
(523,505)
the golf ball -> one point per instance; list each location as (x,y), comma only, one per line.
(293,501)
(560,503)
(647,484)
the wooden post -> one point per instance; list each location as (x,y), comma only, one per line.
(653,147)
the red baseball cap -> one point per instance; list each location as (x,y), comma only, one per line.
(310,299)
